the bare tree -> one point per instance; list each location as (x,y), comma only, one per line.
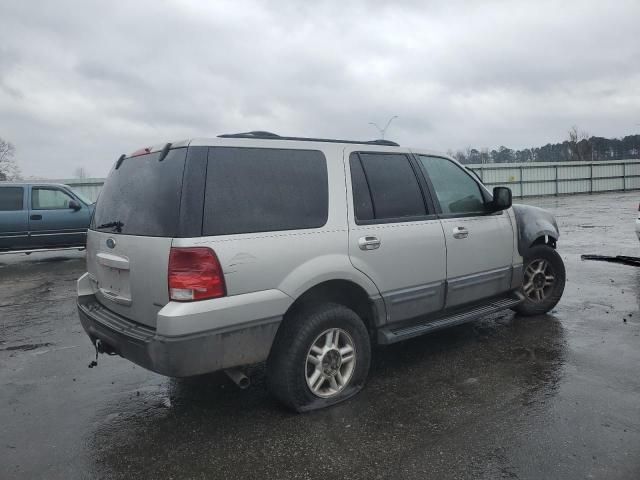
(580,147)
(81,172)
(8,167)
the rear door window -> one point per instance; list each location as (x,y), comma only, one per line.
(385,188)
(11,199)
(142,196)
(261,190)
(49,199)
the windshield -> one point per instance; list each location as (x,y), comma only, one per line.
(142,197)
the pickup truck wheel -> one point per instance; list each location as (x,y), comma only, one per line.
(543,283)
(320,357)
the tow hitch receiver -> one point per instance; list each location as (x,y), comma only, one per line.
(101,347)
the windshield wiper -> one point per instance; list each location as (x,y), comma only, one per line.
(116,225)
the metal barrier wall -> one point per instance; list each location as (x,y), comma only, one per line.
(524,179)
(560,178)
(89,188)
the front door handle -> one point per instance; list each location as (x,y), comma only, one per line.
(460,232)
(368,243)
(36,217)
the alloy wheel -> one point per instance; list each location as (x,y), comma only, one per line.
(539,280)
(330,362)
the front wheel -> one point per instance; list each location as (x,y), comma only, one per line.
(544,278)
(320,357)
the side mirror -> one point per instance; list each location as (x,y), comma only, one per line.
(74,205)
(501,198)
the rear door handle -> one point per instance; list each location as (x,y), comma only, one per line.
(369,243)
(460,232)
(36,217)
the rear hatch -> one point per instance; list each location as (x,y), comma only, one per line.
(129,240)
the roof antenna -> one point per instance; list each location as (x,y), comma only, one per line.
(383,131)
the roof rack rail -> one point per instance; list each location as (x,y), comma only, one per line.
(262,135)
(252,134)
(388,143)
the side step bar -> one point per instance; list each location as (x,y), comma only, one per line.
(389,335)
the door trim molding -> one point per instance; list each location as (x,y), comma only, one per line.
(411,302)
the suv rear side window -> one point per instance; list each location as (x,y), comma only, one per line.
(385,187)
(261,190)
(142,196)
(457,192)
(11,199)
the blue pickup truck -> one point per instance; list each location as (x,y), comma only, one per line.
(42,216)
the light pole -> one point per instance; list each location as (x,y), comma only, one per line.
(383,131)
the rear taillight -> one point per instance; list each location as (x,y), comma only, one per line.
(195,274)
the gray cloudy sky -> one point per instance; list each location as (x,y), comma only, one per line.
(83,81)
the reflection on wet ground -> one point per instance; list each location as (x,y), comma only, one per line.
(421,394)
(556,396)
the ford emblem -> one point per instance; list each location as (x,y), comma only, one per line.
(111,243)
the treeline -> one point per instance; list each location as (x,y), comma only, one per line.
(578,148)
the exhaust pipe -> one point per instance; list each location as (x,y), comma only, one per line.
(238,377)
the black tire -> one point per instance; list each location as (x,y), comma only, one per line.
(533,305)
(287,363)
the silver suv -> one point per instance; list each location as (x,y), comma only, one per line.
(215,254)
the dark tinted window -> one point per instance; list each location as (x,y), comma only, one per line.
(144,195)
(395,192)
(361,196)
(260,190)
(11,198)
(457,192)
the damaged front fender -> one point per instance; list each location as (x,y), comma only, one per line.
(533,223)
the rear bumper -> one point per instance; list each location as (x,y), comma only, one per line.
(178,356)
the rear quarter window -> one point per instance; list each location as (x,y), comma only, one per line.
(11,199)
(262,190)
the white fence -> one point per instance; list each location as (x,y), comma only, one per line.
(560,178)
(524,179)
(89,188)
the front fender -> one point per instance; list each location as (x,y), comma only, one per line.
(533,223)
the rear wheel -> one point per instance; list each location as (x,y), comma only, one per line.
(320,357)
(543,283)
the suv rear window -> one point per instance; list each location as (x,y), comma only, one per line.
(11,198)
(143,195)
(260,190)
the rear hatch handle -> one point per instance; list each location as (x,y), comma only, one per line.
(113,261)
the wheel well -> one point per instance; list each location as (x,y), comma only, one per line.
(545,240)
(342,292)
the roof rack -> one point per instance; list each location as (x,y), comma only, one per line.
(262,135)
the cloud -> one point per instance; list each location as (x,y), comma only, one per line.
(82,82)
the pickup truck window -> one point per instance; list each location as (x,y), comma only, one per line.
(49,199)
(457,192)
(11,199)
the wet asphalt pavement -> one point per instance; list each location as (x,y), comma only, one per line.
(556,396)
